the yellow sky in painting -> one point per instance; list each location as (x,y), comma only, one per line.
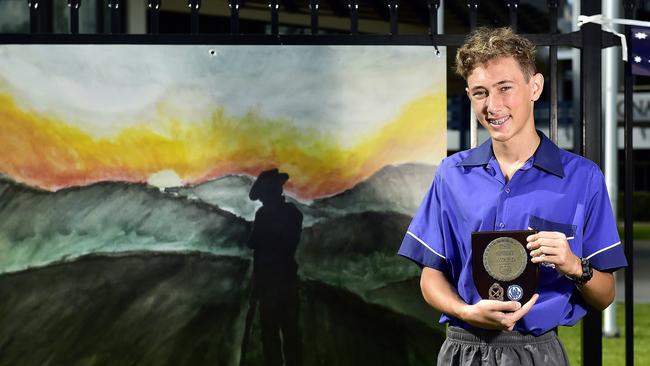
(44,151)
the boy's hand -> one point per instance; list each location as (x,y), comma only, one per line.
(553,247)
(493,314)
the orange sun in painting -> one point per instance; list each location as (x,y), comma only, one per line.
(44,151)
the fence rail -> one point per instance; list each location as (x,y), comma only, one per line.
(590,40)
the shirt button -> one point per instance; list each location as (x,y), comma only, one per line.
(502,225)
(507,190)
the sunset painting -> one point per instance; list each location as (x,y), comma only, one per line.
(125,174)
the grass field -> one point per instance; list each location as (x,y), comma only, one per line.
(614,348)
(641,230)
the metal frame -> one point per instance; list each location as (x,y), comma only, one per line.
(590,40)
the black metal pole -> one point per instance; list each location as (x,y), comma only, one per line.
(99,19)
(153,8)
(74,15)
(628,240)
(34,11)
(513,6)
(591,60)
(114,6)
(234,16)
(465,124)
(274,5)
(353,5)
(393,11)
(433,6)
(472,7)
(552,118)
(194,6)
(313,11)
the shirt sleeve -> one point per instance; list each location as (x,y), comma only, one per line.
(601,243)
(423,242)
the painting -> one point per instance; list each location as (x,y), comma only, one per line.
(215,205)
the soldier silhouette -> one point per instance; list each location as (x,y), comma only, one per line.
(274,239)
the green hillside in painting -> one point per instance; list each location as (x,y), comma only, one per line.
(39,227)
(184,309)
(120,273)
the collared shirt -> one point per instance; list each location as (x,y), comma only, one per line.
(554,190)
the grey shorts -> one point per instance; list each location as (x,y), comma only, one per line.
(487,347)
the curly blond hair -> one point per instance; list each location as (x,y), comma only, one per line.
(484,44)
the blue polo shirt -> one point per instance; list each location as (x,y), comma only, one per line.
(554,190)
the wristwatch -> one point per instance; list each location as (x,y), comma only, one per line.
(587,272)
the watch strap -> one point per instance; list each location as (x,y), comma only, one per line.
(587,272)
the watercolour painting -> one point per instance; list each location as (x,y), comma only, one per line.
(125,199)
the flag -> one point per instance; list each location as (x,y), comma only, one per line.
(640,51)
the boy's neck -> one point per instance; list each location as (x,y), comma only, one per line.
(513,154)
(516,150)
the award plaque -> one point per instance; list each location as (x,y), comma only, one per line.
(501,265)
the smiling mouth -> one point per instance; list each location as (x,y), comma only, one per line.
(499,121)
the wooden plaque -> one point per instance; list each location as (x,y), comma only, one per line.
(501,265)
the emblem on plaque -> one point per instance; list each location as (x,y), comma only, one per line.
(515,292)
(505,259)
(496,292)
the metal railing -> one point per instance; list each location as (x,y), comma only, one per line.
(590,40)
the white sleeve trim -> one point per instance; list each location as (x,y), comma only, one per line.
(604,249)
(426,245)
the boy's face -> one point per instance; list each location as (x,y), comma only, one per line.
(503,99)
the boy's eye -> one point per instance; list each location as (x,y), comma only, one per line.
(505,88)
(479,94)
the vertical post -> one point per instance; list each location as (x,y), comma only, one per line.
(471,140)
(441,17)
(153,8)
(194,6)
(99,19)
(611,62)
(34,12)
(313,10)
(114,8)
(74,15)
(234,16)
(467,125)
(513,6)
(393,10)
(274,5)
(353,5)
(628,5)
(433,6)
(472,7)
(592,339)
(552,118)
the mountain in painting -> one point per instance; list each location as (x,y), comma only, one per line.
(394,188)
(353,250)
(38,227)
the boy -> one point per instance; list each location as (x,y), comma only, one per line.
(516,180)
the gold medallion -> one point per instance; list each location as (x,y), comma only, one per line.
(505,259)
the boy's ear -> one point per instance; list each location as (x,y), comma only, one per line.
(536,84)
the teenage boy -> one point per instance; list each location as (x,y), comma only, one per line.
(516,180)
